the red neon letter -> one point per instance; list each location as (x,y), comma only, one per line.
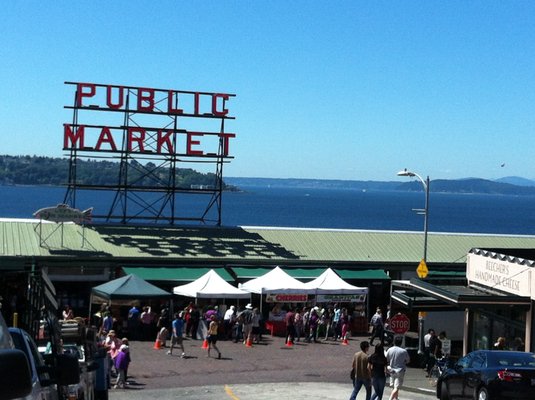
(132,138)
(191,142)
(70,138)
(170,106)
(164,137)
(226,137)
(105,137)
(214,104)
(196,104)
(120,103)
(145,96)
(80,93)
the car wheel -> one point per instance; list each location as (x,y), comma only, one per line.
(444,395)
(483,394)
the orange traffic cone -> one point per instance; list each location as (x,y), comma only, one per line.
(289,343)
(157,345)
(345,342)
(249,343)
(205,344)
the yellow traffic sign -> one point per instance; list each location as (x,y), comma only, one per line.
(422,270)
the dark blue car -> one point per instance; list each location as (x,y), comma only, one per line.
(489,375)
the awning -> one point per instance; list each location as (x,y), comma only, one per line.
(450,276)
(175,273)
(365,274)
(249,272)
(418,294)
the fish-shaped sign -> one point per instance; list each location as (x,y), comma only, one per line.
(64,213)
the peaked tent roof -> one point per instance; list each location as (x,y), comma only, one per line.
(275,281)
(210,285)
(128,287)
(330,283)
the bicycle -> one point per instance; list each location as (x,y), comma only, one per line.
(439,367)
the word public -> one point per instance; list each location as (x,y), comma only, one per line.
(140,139)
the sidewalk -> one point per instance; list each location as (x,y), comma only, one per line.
(415,381)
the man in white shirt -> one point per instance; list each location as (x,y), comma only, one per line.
(228,321)
(427,337)
(398,359)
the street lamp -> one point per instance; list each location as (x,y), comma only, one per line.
(422,268)
(424,211)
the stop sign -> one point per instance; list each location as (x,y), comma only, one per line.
(399,323)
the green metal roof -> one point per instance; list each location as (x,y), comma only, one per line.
(174,273)
(368,274)
(24,240)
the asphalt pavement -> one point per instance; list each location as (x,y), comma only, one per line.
(267,370)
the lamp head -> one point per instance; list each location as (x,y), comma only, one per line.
(406,173)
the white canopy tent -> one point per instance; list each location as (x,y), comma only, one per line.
(275,281)
(210,285)
(330,283)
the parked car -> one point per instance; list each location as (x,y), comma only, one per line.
(60,370)
(15,375)
(489,374)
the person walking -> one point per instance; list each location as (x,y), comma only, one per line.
(290,326)
(377,364)
(122,361)
(195,318)
(212,335)
(344,324)
(326,317)
(246,319)
(177,334)
(255,326)
(362,373)
(397,358)
(337,331)
(298,324)
(434,348)
(313,322)
(427,353)
(378,326)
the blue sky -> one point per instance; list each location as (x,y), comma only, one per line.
(353,90)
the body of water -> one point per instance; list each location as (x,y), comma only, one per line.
(320,208)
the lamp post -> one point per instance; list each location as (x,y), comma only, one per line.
(422,268)
(424,211)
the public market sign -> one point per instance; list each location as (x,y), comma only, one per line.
(153,105)
(499,274)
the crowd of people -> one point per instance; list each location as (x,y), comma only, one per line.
(314,324)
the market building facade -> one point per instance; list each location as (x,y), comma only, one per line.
(496,300)
(76,258)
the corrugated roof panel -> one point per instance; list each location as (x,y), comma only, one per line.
(282,246)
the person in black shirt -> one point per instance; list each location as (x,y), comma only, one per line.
(377,364)
(435,351)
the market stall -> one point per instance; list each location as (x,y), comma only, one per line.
(277,287)
(330,288)
(211,285)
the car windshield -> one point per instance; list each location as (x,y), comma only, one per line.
(508,359)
